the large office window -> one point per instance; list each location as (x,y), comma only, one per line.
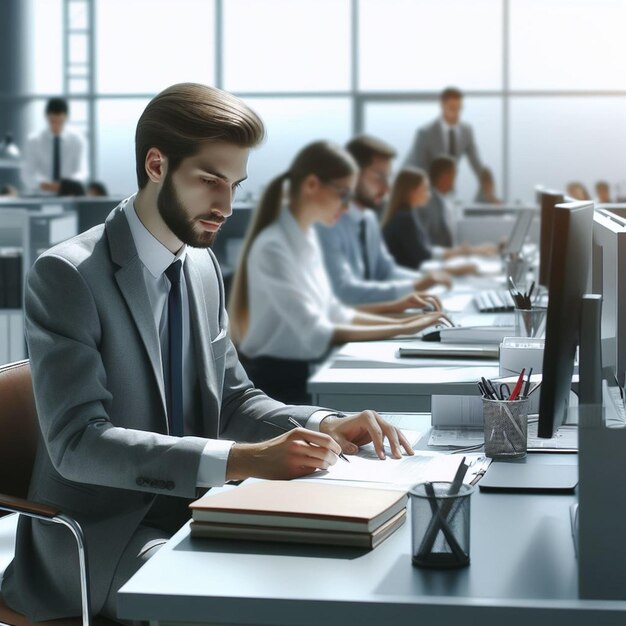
(543,79)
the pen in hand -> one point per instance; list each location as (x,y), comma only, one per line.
(296,424)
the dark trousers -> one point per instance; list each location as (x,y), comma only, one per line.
(281,379)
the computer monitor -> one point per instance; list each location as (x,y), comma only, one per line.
(608,278)
(570,264)
(547,200)
(519,232)
(619,208)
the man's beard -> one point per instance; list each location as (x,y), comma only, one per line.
(177,219)
(366,200)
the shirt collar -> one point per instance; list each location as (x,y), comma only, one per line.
(304,241)
(355,213)
(445,126)
(152,253)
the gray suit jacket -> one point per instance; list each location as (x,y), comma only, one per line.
(429,144)
(434,220)
(104,452)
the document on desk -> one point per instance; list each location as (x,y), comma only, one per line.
(404,472)
(565,439)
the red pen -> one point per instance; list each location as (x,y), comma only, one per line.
(518,386)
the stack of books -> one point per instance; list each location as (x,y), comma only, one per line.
(300,512)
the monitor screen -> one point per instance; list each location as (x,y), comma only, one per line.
(547,200)
(608,274)
(570,264)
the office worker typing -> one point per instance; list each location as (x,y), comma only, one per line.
(405,236)
(139,391)
(53,154)
(283,312)
(356,258)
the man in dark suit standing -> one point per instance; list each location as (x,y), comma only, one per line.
(446,135)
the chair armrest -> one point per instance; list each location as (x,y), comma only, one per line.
(32,509)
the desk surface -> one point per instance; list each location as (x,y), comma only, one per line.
(523,570)
(371,375)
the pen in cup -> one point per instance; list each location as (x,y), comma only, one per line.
(296,424)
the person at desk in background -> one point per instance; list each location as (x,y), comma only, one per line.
(359,266)
(283,312)
(404,234)
(139,390)
(577,190)
(487,191)
(97,189)
(445,135)
(437,217)
(54,153)
(603,192)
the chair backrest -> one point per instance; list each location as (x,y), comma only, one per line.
(19,428)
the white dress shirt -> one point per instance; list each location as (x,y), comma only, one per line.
(156,258)
(38,153)
(293,311)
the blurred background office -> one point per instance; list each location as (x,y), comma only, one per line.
(543,80)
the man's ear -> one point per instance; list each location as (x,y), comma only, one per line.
(156,165)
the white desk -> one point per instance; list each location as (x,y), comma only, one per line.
(523,571)
(370,375)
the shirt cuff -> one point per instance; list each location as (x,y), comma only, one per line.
(213,461)
(313,423)
(437,253)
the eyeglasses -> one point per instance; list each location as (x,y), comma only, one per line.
(345,195)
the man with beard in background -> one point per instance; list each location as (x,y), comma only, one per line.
(360,267)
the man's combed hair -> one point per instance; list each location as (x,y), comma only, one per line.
(451,93)
(365,148)
(440,166)
(181,118)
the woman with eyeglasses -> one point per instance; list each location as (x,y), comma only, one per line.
(283,311)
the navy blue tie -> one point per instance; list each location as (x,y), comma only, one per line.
(56,158)
(364,254)
(174,387)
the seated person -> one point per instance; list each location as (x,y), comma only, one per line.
(487,192)
(283,312)
(141,399)
(437,215)
(358,263)
(603,192)
(404,233)
(577,190)
(97,189)
(68,188)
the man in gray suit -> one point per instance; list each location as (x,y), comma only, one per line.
(445,135)
(139,390)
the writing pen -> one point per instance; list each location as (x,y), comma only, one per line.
(296,424)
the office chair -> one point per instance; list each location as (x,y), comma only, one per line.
(18,443)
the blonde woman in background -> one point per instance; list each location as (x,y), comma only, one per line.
(283,312)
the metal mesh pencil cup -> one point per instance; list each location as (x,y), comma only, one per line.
(506,428)
(440,525)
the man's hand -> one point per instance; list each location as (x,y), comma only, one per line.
(356,430)
(293,454)
(430,279)
(464,269)
(414,301)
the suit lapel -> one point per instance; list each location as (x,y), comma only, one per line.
(130,280)
(201,330)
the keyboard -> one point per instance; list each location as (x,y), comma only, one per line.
(494,301)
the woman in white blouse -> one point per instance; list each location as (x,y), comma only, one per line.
(283,311)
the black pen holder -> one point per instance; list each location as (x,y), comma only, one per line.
(440,525)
